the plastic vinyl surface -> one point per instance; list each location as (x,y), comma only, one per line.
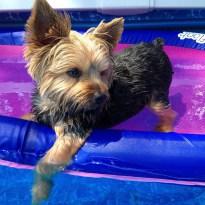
(168,156)
(177,158)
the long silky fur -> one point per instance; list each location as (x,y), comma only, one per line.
(138,76)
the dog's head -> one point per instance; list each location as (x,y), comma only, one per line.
(69,66)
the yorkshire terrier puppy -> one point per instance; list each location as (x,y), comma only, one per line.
(80,84)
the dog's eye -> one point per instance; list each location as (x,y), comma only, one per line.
(104,72)
(74,73)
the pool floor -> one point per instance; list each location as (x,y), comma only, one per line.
(15,185)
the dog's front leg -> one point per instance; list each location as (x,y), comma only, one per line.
(55,160)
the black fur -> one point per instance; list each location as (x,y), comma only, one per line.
(79,122)
(142,74)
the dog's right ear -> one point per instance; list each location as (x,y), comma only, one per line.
(45,25)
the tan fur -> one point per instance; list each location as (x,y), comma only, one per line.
(109,32)
(28,116)
(51,75)
(166,117)
(55,160)
(51,50)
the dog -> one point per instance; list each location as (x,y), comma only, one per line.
(81,84)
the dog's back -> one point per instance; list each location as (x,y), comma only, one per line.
(142,73)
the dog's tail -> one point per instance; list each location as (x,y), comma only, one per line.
(158,42)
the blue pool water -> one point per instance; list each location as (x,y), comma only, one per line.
(15,186)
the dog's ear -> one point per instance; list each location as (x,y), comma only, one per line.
(45,25)
(109,32)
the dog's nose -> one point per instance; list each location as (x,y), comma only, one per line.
(100,98)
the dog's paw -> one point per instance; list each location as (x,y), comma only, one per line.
(41,190)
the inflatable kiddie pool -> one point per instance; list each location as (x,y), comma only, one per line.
(107,152)
(129,151)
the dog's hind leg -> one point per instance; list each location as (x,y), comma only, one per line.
(166,115)
(55,160)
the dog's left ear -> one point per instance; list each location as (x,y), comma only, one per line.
(109,32)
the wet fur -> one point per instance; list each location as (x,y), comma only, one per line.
(138,76)
(137,79)
(142,75)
